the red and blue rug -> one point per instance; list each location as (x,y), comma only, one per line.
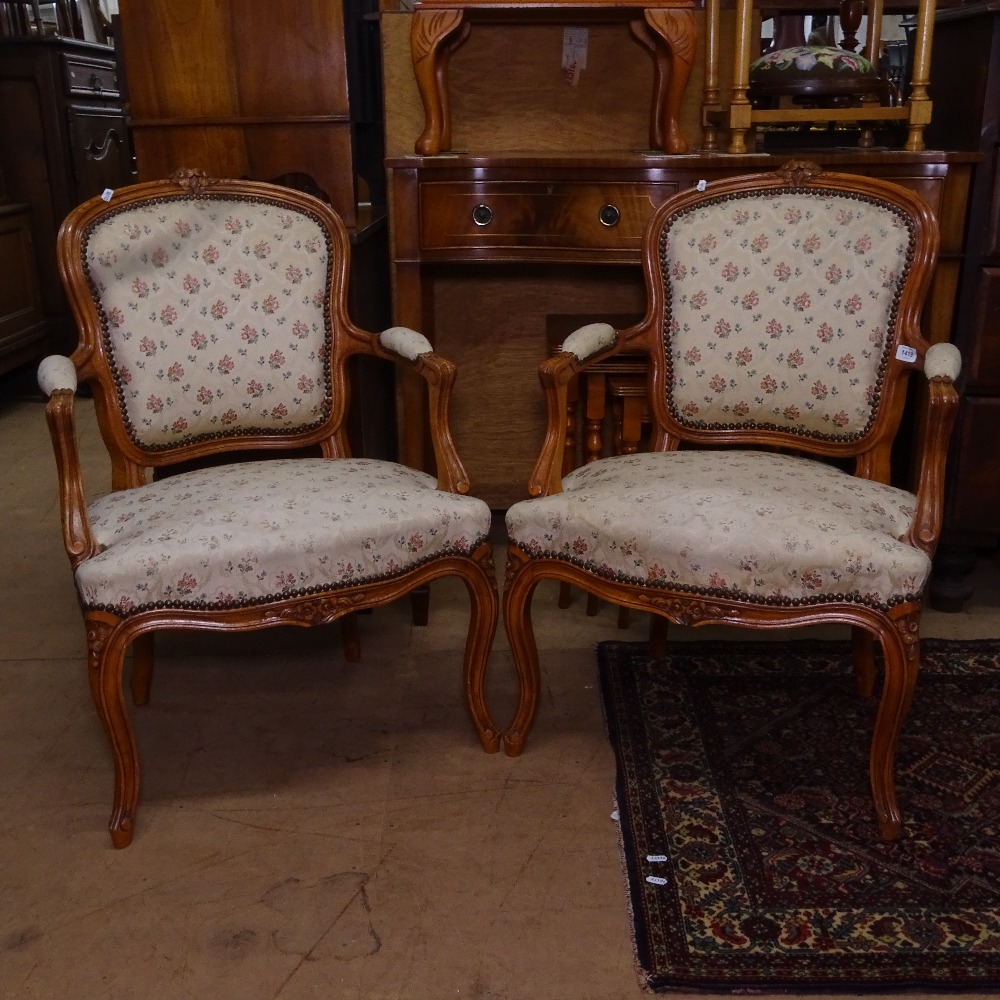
(749,840)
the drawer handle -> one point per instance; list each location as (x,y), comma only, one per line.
(95,83)
(609,215)
(482,215)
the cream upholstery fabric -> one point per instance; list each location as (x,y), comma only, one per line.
(169,305)
(747,524)
(244,533)
(943,359)
(735,362)
(589,340)
(405,342)
(56,372)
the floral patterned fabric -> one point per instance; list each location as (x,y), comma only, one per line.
(743,524)
(242,534)
(812,59)
(780,309)
(179,280)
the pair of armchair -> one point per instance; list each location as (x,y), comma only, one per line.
(783,322)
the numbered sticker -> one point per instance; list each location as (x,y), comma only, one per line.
(904,353)
(656,857)
(656,880)
(107,194)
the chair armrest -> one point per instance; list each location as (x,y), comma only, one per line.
(581,349)
(57,379)
(403,344)
(407,343)
(942,365)
(586,341)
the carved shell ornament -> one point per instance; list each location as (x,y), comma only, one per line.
(796,173)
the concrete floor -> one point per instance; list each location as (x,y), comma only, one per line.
(308,827)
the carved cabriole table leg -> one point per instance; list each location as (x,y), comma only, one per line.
(432,41)
(677,32)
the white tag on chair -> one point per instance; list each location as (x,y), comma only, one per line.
(904,353)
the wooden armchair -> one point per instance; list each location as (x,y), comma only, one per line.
(213,325)
(782,330)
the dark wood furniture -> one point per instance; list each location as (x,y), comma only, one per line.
(730,519)
(238,290)
(239,90)
(23,330)
(62,140)
(965,78)
(485,246)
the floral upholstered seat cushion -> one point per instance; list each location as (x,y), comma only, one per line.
(751,525)
(246,533)
(816,61)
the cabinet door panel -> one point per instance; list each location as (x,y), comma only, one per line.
(972,507)
(100,151)
(984,362)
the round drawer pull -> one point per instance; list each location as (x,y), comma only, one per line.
(482,215)
(609,215)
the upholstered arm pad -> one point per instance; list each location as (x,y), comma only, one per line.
(56,372)
(405,342)
(589,339)
(943,360)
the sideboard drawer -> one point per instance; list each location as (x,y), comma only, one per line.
(86,77)
(536,215)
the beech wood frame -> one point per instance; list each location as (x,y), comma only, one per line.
(897,629)
(109,635)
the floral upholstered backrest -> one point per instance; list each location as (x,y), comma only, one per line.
(780,307)
(214,316)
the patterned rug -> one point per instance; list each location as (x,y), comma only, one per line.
(747,827)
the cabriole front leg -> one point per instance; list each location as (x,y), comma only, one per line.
(901,655)
(521,579)
(480,579)
(106,644)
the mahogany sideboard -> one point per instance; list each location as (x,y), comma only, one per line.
(484,247)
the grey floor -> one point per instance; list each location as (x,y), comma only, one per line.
(308,827)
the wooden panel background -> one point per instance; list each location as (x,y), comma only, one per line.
(509,93)
(498,417)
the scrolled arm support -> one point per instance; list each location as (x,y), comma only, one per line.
(405,345)
(582,348)
(942,365)
(57,378)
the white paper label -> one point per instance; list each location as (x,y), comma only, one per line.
(656,880)
(904,353)
(107,194)
(656,857)
(574,54)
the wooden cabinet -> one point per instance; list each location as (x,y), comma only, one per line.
(62,140)
(23,332)
(284,93)
(486,247)
(247,88)
(965,80)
